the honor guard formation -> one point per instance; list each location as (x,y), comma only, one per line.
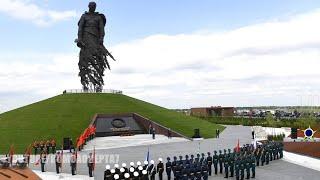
(239,164)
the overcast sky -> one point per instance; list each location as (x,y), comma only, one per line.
(173,53)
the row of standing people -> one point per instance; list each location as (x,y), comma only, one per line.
(48,146)
(241,163)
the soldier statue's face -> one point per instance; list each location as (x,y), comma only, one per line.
(92,7)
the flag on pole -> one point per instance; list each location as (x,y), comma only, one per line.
(238,146)
(11,152)
(28,153)
(148,156)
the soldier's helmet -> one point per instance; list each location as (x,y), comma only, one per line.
(220,151)
(198,155)
(168,158)
(209,153)
(202,154)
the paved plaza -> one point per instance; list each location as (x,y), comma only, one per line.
(278,169)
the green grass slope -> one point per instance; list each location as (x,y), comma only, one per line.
(68,115)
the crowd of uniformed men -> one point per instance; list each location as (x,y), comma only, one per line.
(241,163)
(44,146)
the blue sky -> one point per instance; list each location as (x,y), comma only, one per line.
(38,36)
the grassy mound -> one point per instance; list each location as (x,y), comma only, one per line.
(68,115)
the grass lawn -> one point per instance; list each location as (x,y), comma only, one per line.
(68,115)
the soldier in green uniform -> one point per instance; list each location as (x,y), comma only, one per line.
(248,165)
(209,160)
(221,157)
(242,166)
(215,162)
(258,156)
(226,165)
(281,150)
(237,168)
(231,163)
(253,166)
(267,156)
(263,157)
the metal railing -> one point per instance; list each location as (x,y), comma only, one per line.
(112,91)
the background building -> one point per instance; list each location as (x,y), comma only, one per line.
(213,111)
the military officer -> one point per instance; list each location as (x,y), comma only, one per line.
(247,166)
(192,159)
(58,159)
(160,168)
(197,159)
(152,170)
(220,161)
(184,173)
(43,160)
(253,166)
(168,168)
(198,172)
(178,173)
(231,163)
(90,164)
(192,171)
(209,160)
(267,156)
(187,161)
(174,166)
(215,162)
(202,158)
(73,163)
(263,157)
(226,166)
(205,170)
(237,168)
(242,166)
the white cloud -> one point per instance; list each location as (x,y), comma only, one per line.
(272,63)
(28,11)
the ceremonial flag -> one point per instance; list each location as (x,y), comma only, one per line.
(11,152)
(28,153)
(37,162)
(238,147)
(148,156)
(94,157)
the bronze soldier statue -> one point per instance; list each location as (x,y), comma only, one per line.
(93,55)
